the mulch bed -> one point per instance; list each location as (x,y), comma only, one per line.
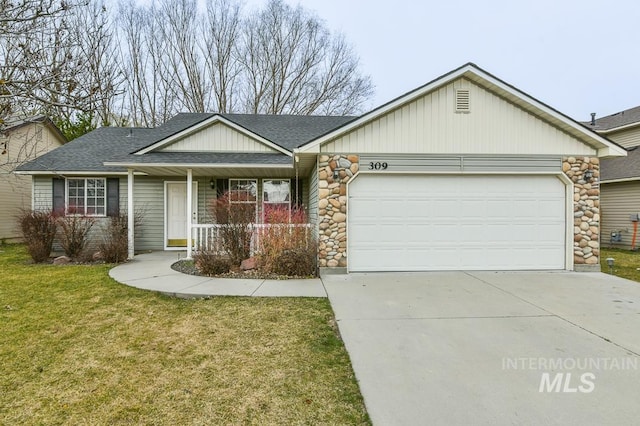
(188,267)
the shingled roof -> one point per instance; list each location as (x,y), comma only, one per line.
(619,119)
(115,144)
(620,168)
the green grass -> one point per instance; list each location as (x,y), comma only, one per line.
(626,263)
(78,348)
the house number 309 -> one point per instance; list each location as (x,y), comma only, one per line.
(378,166)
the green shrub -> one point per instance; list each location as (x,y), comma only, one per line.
(209,263)
(38,229)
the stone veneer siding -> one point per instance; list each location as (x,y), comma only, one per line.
(586,210)
(332,208)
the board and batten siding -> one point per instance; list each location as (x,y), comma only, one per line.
(627,138)
(618,201)
(430,124)
(218,138)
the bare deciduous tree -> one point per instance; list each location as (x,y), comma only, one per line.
(278,60)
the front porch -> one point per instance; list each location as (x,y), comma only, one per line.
(208,236)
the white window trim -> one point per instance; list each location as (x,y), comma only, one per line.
(85,179)
(268,202)
(257,181)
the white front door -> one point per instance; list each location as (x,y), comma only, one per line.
(176,212)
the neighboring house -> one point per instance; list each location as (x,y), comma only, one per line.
(620,180)
(22,140)
(464,173)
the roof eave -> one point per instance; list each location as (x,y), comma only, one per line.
(130,165)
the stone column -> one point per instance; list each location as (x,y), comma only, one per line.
(332,207)
(586,211)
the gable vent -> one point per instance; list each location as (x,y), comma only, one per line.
(463,100)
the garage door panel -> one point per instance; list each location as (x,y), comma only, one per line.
(418,222)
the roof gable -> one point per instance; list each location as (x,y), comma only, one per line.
(197,138)
(218,137)
(478,78)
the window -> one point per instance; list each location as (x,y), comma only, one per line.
(86,196)
(244,192)
(276,200)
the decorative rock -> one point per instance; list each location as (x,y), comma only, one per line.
(353,158)
(61,260)
(323,184)
(249,264)
(332,263)
(593,260)
(322,204)
(323,193)
(566,167)
(339,217)
(344,163)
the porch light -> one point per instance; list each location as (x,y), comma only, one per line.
(336,174)
(588,175)
(212,183)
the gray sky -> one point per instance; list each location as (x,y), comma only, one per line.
(577,56)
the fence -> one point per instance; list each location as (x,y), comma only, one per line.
(208,236)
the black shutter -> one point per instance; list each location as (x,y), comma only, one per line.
(113,197)
(222,186)
(58,195)
(297,186)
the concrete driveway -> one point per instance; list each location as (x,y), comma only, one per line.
(458,348)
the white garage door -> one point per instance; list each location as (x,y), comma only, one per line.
(464,222)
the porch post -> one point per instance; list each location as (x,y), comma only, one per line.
(130,215)
(189,211)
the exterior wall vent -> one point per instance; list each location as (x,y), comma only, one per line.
(463,103)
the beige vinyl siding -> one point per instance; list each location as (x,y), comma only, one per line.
(218,138)
(15,195)
(618,201)
(430,125)
(627,138)
(22,144)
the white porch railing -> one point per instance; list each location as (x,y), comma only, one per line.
(207,236)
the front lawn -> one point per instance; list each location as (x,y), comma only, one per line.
(78,348)
(626,263)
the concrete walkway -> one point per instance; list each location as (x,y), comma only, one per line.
(152,271)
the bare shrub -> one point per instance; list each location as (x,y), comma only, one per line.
(210,263)
(299,261)
(115,237)
(74,233)
(238,216)
(280,242)
(38,229)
